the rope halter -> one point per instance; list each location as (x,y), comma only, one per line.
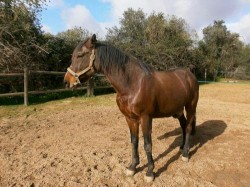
(89,68)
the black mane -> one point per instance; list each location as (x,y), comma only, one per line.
(112,59)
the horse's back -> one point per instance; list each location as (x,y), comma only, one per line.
(175,79)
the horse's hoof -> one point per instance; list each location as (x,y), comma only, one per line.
(129,172)
(149,178)
(185,159)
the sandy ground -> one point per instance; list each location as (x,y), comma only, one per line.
(85,142)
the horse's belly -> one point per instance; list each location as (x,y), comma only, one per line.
(168,109)
(161,115)
(175,114)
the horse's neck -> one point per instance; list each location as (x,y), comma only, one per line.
(125,81)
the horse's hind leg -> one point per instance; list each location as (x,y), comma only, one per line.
(193,131)
(134,135)
(190,108)
(190,125)
(190,119)
(183,122)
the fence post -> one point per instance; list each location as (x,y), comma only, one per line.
(25,86)
(205,76)
(90,87)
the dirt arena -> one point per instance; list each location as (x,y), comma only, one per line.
(85,142)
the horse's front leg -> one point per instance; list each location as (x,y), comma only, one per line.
(134,135)
(146,124)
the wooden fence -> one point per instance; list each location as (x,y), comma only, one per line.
(90,84)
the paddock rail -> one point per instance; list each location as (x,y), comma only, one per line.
(90,84)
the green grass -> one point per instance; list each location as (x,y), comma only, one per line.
(71,103)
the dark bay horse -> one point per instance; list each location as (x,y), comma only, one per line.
(142,93)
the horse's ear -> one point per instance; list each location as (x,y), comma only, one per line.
(93,39)
(90,43)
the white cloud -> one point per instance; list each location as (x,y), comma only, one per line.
(46,29)
(242,27)
(80,16)
(196,12)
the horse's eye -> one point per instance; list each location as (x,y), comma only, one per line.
(80,54)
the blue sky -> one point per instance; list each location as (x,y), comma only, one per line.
(54,16)
(97,15)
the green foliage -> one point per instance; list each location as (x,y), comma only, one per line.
(166,42)
(60,47)
(163,42)
(23,44)
(243,70)
(20,34)
(74,36)
(129,36)
(221,50)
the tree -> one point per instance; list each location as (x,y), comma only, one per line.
(129,37)
(157,40)
(60,47)
(74,36)
(20,34)
(168,41)
(243,70)
(221,49)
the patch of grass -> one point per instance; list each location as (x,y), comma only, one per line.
(15,111)
(13,107)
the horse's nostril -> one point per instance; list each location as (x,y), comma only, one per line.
(66,83)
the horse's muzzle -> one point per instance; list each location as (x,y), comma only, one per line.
(66,80)
(66,84)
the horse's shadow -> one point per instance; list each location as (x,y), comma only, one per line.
(206,131)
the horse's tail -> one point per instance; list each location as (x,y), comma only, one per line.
(193,132)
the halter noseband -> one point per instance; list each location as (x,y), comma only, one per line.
(90,67)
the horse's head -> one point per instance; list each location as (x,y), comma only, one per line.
(82,66)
